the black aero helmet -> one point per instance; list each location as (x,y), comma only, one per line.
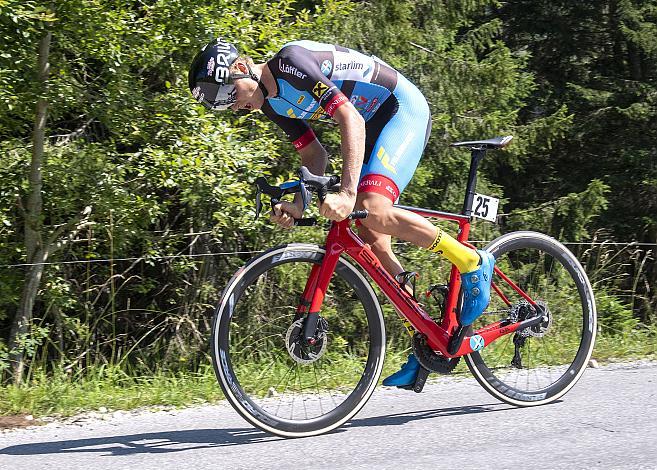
(210,80)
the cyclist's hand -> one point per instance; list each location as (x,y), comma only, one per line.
(285,212)
(337,206)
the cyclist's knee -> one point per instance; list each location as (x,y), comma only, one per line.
(379,242)
(377,206)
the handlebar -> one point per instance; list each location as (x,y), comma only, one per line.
(306,184)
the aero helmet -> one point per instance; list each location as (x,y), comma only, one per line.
(210,80)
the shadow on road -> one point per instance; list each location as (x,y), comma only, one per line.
(399,419)
(147,443)
(178,441)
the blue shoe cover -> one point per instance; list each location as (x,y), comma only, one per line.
(476,288)
(406,375)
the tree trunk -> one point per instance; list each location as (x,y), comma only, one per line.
(634,59)
(34,246)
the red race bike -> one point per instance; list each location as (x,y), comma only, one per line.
(298,337)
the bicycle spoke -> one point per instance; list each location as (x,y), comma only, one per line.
(317,389)
(278,373)
(551,277)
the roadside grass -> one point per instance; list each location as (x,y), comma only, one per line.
(112,389)
(62,395)
(631,345)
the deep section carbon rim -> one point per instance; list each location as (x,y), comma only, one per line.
(537,366)
(266,373)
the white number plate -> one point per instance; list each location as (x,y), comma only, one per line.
(485,207)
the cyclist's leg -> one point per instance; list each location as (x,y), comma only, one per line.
(377,193)
(390,163)
(476,266)
(381,246)
(395,139)
(392,154)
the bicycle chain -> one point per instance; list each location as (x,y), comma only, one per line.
(431,360)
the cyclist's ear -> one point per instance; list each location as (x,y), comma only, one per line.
(241,67)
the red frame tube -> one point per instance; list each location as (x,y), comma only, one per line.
(342,239)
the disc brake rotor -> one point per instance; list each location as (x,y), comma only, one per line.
(539,330)
(296,346)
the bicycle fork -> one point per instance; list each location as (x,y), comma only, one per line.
(313,295)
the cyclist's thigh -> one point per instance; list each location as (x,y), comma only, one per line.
(397,146)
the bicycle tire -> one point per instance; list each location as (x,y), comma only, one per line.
(255,291)
(551,274)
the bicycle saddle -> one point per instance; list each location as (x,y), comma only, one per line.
(490,144)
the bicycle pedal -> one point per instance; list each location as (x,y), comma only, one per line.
(420,380)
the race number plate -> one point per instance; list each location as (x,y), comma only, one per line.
(485,207)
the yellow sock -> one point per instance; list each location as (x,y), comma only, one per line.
(464,258)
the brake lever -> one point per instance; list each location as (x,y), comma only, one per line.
(319,184)
(268,189)
(262,186)
(305,195)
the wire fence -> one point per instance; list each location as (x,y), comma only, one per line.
(255,252)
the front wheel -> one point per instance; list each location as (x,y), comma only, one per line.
(540,364)
(268,374)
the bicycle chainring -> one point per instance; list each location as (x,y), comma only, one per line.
(431,360)
(298,349)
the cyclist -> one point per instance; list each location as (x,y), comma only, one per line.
(384,123)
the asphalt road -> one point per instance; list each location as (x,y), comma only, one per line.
(608,420)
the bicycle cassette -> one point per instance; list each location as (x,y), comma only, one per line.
(431,360)
(523,310)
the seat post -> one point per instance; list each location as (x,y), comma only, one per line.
(477,155)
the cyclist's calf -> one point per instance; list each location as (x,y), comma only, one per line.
(381,246)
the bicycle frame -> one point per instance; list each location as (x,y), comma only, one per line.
(341,239)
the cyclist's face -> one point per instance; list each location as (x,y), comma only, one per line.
(248,97)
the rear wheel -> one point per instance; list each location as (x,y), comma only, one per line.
(540,364)
(268,374)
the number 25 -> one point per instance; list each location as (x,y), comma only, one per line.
(482,203)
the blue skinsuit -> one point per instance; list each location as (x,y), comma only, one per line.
(313,79)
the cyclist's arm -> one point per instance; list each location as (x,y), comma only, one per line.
(314,157)
(352,132)
(300,68)
(312,152)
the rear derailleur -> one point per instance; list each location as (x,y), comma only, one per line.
(521,311)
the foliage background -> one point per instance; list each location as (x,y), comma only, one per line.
(166,187)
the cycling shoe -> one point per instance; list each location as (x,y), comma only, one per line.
(404,376)
(476,288)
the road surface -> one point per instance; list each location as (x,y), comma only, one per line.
(607,421)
